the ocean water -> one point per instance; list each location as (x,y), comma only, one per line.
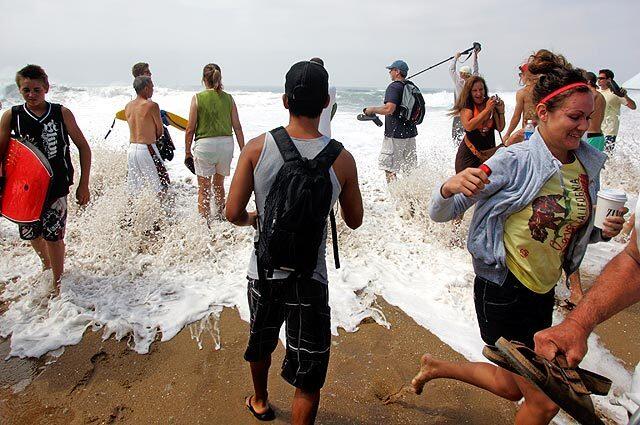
(126,281)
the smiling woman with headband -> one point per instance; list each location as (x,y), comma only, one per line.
(532,221)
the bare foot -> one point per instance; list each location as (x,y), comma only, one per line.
(427,373)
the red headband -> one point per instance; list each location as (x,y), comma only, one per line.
(561,90)
(524,67)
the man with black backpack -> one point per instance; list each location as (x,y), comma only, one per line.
(297,175)
(403,109)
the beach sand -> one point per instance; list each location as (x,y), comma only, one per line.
(99,381)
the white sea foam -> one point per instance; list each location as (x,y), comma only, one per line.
(129,281)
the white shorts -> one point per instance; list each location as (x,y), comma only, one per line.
(398,154)
(146,169)
(213,155)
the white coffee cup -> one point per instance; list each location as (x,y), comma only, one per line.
(610,204)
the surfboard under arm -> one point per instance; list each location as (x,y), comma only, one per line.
(175,120)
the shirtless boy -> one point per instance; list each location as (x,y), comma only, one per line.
(146,168)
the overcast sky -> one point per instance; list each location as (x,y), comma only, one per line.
(255,41)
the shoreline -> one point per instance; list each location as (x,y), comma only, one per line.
(106,382)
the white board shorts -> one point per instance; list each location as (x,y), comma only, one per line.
(146,170)
(398,154)
(213,155)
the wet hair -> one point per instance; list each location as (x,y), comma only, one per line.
(317,60)
(141,82)
(32,72)
(212,77)
(607,72)
(592,79)
(139,69)
(554,72)
(465,100)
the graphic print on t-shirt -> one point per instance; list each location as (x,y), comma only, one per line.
(537,237)
(554,212)
(50,138)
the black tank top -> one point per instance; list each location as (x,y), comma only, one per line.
(48,134)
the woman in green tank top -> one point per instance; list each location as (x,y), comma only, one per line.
(213,118)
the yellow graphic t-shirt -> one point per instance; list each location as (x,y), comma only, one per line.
(537,236)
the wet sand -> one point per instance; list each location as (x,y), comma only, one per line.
(99,381)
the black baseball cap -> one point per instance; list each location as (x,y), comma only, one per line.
(307,81)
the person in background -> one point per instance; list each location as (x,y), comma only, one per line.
(213,118)
(611,122)
(146,169)
(525,109)
(398,151)
(481,117)
(328,112)
(459,77)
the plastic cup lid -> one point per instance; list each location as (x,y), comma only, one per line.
(613,195)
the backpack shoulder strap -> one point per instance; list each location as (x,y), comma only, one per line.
(329,153)
(285,145)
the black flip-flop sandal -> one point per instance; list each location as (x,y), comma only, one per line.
(269,415)
(374,118)
(561,384)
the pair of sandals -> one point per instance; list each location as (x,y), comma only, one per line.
(569,388)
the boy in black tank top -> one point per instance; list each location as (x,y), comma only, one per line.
(48,126)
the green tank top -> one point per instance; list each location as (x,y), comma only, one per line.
(214,114)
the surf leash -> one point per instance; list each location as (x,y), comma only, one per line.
(110,129)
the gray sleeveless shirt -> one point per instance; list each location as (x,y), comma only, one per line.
(264,175)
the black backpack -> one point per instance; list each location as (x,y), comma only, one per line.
(296,210)
(412,107)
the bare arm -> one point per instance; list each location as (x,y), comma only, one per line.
(82,193)
(631,104)
(235,123)
(157,119)
(615,289)
(242,185)
(469,122)
(5,133)
(517,113)
(388,109)
(476,70)
(351,207)
(453,72)
(190,132)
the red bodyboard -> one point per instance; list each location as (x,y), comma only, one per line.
(27,177)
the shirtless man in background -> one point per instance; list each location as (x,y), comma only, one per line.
(525,108)
(145,168)
(594,134)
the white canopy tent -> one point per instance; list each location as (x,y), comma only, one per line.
(633,83)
